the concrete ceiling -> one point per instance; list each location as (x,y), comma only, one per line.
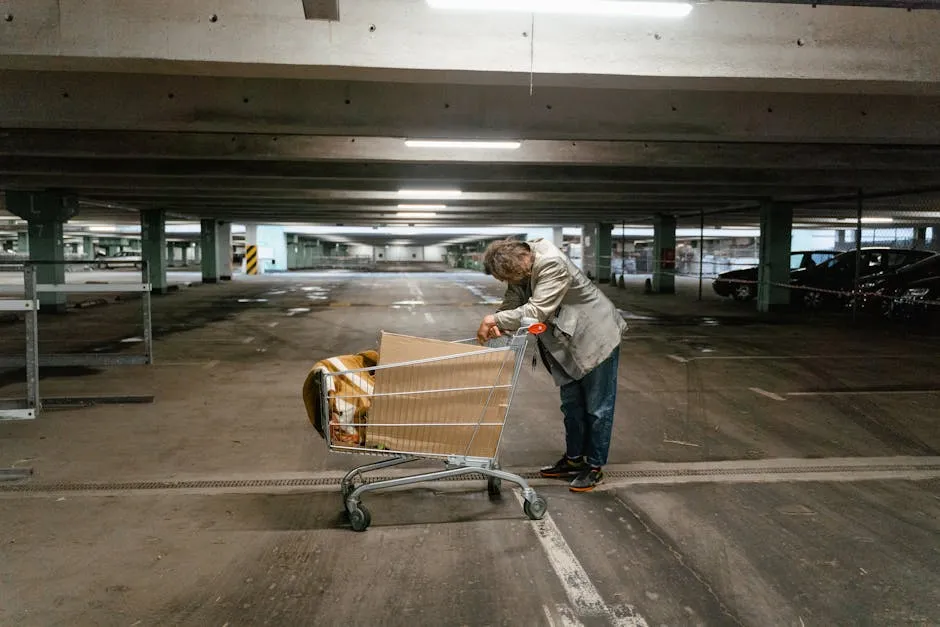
(260,115)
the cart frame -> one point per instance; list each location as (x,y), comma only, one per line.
(354,484)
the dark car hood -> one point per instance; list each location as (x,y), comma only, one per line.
(932,282)
(739,274)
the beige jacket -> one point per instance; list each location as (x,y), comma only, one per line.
(584,327)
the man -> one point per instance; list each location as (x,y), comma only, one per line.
(581,347)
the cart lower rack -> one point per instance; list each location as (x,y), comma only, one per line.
(447,401)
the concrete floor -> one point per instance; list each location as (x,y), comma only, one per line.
(703,386)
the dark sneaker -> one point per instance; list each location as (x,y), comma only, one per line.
(587,479)
(564,468)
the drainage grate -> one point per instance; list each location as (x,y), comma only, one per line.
(307,482)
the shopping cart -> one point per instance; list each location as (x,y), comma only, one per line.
(452,407)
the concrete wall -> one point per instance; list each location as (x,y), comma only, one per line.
(401,253)
(361,250)
(813,240)
(434,253)
(272,248)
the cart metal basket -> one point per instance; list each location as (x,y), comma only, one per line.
(451,407)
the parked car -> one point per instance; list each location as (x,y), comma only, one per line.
(832,283)
(920,302)
(742,284)
(878,293)
(126,259)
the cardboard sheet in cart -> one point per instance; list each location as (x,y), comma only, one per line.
(427,409)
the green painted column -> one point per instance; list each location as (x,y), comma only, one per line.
(22,242)
(209,243)
(88,249)
(46,214)
(776,231)
(603,251)
(153,248)
(224,250)
(664,254)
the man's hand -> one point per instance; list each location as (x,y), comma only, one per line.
(488,330)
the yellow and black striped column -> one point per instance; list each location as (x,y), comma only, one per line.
(251,259)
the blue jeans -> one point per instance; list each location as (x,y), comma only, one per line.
(588,406)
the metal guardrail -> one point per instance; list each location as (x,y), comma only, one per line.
(28,408)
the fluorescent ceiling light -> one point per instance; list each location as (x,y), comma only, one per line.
(103,229)
(429,193)
(406,206)
(871,220)
(455,143)
(415,214)
(570,7)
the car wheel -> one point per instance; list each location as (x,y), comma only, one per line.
(814,300)
(742,292)
(887,308)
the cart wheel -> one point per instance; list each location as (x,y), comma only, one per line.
(535,509)
(360,519)
(494,486)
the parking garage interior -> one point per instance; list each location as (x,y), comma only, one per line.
(199,201)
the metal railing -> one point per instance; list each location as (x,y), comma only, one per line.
(32,360)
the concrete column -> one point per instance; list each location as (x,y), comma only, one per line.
(597,249)
(153,248)
(209,241)
(558,236)
(197,253)
(46,214)
(664,254)
(920,237)
(251,239)
(224,251)
(776,230)
(22,242)
(184,253)
(88,249)
(935,237)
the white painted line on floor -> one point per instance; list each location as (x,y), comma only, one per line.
(211,364)
(863,392)
(681,360)
(581,591)
(565,617)
(786,357)
(775,397)
(273,324)
(429,318)
(248,340)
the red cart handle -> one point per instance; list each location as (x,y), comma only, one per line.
(538,328)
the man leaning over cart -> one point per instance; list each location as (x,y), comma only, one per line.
(581,347)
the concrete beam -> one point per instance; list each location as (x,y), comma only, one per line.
(226,104)
(718,40)
(479,175)
(321,9)
(299,148)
